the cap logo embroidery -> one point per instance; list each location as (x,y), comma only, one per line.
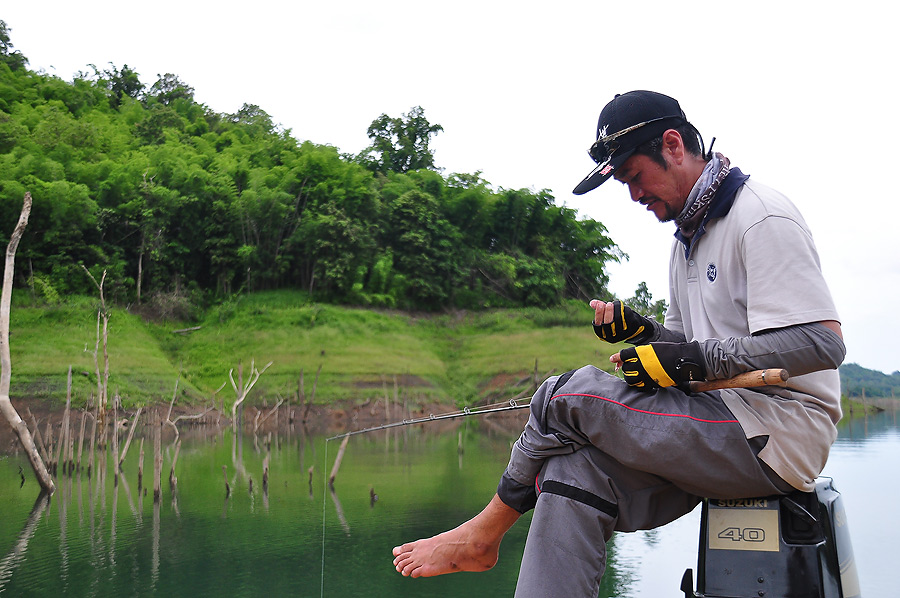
(606,170)
(602,133)
(711,272)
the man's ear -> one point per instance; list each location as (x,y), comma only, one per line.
(673,145)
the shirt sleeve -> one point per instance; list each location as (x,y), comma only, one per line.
(785,284)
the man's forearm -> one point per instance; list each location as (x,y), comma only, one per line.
(663,334)
(798,349)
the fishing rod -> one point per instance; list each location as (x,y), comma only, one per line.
(510,405)
(756,378)
(770,377)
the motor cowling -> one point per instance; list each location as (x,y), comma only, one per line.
(792,546)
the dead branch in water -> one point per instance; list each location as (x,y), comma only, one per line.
(84,415)
(243,390)
(64,427)
(173,481)
(271,411)
(93,440)
(130,436)
(157,460)
(227,487)
(337,461)
(169,415)
(141,466)
(37,435)
(191,417)
(6,406)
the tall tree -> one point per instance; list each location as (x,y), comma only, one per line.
(124,82)
(14,59)
(256,121)
(643,303)
(169,88)
(425,249)
(400,144)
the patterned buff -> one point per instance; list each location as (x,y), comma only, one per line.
(701,195)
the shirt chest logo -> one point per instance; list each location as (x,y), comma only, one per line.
(711,272)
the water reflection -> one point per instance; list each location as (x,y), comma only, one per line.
(273,524)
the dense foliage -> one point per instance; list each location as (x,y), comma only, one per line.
(857,381)
(180,204)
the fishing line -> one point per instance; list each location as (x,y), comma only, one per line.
(509,405)
(466,412)
(324,503)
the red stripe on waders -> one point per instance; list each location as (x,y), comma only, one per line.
(681,415)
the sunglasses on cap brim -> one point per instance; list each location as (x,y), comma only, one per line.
(603,149)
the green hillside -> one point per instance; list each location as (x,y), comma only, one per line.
(459,357)
(184,206)
(857,381)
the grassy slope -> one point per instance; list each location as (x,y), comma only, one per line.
(456,357)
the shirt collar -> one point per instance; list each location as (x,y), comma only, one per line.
(721,205)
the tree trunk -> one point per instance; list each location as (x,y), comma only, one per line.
(6,406)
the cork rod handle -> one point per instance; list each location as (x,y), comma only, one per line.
(770,377)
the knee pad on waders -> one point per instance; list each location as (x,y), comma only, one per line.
(541,399)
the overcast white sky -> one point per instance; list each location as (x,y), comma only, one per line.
(801,95)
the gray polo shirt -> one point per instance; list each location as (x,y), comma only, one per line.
(755,269)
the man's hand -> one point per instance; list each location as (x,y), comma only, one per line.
(661,364)
(615,322)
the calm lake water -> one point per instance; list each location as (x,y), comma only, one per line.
(99,536)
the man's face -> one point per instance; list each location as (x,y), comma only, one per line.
(652,186)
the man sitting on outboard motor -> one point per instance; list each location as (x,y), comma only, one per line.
(600,453)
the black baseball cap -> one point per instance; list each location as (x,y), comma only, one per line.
(629,120)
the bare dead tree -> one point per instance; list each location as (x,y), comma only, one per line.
(241,389)
(169,414)
(102,382)
(173,422)
(6,406)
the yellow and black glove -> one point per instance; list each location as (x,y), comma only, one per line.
(627,326)
(649,367)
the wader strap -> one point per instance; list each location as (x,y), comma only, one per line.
(582,496)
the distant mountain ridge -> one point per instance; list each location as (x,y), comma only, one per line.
(857,381)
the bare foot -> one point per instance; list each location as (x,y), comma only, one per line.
(448,552)
(473,546)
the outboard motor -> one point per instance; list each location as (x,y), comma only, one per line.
(793,546)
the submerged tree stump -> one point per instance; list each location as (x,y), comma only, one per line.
(157,459)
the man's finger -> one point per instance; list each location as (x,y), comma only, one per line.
(609,313)
(599,307)
(616,359)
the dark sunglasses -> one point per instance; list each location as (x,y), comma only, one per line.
(603,149)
